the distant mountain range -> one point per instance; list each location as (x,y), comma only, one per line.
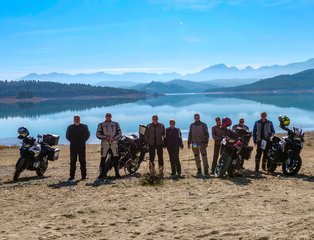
(217,76)
(302,81)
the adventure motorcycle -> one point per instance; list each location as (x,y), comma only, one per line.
(235,151)
(34,154)
(285,151)
(131,151)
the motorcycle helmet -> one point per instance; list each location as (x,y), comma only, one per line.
(23,132)
(226,122)
(284,120)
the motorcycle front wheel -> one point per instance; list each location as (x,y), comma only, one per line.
(132,165)
(42,169)
(271,166)
(293,168)
(222,165)
(19,168)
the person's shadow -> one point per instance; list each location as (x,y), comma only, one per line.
(22,180)
(62,184)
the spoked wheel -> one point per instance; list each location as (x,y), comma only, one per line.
(223,165)
(132,165)
(292,166)
(19,168)
(42,168)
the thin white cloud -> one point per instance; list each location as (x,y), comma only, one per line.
(64,30)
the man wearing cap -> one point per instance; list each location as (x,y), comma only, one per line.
(217,133)
(77,134)
(198,137)
(173,143)
(109,132)
(263,130)
(154,137)
(241,125)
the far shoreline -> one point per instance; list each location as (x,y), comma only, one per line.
(13,100)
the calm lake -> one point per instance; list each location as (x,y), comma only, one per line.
(55,116)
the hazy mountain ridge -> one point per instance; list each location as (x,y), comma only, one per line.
(174,86)
(302,81)
(219,73)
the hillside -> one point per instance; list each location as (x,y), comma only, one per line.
(302,81)
(174,86)
(30,89)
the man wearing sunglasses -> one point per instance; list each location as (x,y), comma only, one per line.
(241,125)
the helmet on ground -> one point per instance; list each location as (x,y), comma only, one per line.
(23,132)
(284,120)
(226,122)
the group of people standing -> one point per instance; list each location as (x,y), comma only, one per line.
(157,137)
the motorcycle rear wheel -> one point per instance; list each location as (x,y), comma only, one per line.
(291,172)
(19,168)
(223,165)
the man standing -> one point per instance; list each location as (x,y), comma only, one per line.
(263,130)
(173,142)
(154,136)
(77,134)
(241,125)
(109,132)
(217,133)
(198,137)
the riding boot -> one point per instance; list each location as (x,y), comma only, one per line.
(102,170)
(257,162)
(116,167)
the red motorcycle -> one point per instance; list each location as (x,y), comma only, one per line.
(235,150)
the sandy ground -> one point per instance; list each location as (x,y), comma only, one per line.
(250,207)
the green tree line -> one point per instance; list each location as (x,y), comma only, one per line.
(29,89)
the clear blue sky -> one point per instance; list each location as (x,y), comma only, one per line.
(151,35)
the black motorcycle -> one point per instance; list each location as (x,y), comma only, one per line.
(132,150)
(285,152)
(34,154)
(235,150)
(131,153)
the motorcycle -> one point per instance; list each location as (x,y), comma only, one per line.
(286,151)
(35,153)
(235,151)
(131,151)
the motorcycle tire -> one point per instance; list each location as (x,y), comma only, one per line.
(296,168)
(19,168)
(42,169)
(270,166)
(231,170)
(132,165)
(222,165)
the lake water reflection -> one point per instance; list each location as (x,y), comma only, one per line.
(55,116)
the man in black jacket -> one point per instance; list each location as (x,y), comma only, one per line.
(154,137)
(173,143)
(77,134)
(217,133)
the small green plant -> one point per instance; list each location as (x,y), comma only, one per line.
(151,180)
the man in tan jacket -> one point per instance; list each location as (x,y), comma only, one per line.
(109,132)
